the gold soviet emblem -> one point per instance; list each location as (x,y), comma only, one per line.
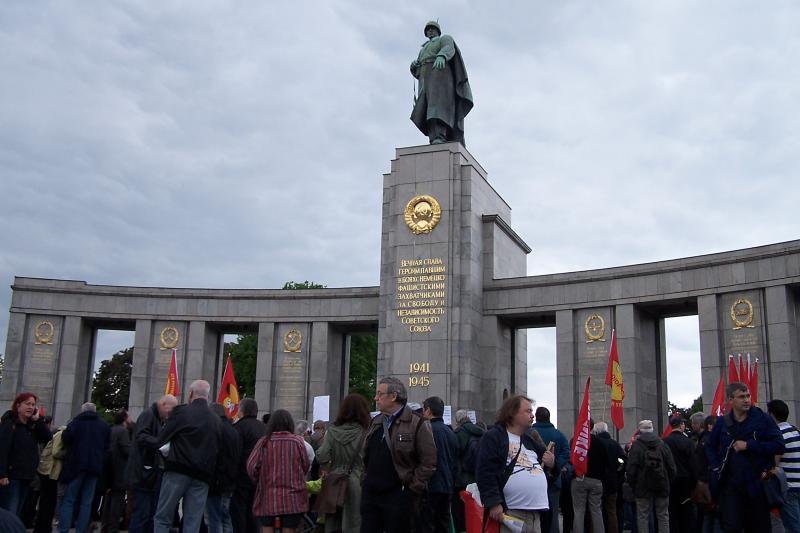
(742,314)
(595,328)
(292,341)
(169,338)
(422,214)
(43,332)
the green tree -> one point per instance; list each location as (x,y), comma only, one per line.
(363,365)
(112,382)
(243,358)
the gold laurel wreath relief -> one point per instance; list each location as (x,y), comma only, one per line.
(43,332)
(292,341)
(742,308)
(595,328)
(169,338)
(422,214)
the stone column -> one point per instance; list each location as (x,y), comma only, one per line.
(291,368)
(783,372)
(712,358)
(12,359)
(142,350)
(264,362)
(325,370)
(432,333)
(202,357)
(161,350)
(641,354)
(568,389)
(72,387)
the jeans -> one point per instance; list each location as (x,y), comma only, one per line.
(144,507)
(549,518)
(175,486)
(12,496)
(587,490)
(661,505)
(79,492)
(790,512)
(218,516)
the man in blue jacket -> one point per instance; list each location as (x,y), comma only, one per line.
(435,516)
(87,439)
(512,471)
(549,434)
(742,445)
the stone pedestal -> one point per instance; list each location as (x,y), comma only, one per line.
(436,249)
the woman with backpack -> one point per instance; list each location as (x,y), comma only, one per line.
(278,466)
(21,432)
(340,455)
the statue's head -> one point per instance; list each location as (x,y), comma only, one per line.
(432,25)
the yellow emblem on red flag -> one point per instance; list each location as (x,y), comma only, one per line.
(173,387)
(229,391)
(614,380)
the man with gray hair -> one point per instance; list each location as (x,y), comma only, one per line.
(87,438)
(399,459)
(192,437)
(649,472)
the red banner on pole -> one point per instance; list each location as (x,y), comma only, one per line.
(614,380)
(173,387)
(580,446)
(718,405)
(229,391)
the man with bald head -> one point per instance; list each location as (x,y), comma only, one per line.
(144,461)
(191,440)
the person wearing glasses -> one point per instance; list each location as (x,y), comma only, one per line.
(399,460)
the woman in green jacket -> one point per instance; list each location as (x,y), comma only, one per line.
(341,452)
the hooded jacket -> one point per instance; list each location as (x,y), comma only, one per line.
(636,469)
(464,433)
(19,450)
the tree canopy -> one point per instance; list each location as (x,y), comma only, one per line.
(112,382)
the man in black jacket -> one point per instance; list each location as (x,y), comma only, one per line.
(87,439)
(512,470)
(681,509)
(144,472)
(615,456)
(250,429)
(218,517)
(191,438)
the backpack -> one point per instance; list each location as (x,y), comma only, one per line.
(655,473)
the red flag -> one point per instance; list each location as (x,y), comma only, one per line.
(580,447)
(754,383)
(172,378)
(614,380)
(718,405)
(229,391)
(733,374)
(743,377)
(748,372)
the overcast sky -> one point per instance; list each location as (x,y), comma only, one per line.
(242,144)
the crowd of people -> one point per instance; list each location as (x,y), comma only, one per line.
(189,468)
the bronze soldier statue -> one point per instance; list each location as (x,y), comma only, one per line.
(444,97)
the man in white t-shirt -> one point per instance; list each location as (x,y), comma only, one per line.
(512,470)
